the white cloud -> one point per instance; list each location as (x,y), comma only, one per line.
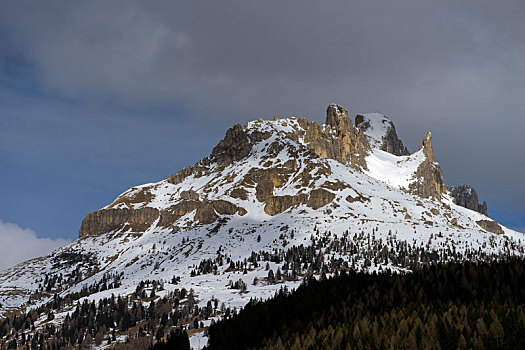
(18,244)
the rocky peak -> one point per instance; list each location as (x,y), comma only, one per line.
(381,133)
(235,146)
(426,145)
(339,139)
(337,118)
(429,177)
(467,197)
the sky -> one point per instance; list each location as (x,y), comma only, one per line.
(97,96)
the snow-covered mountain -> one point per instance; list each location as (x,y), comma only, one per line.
(352,194)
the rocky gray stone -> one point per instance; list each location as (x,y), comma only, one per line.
(467,197)
(490,226)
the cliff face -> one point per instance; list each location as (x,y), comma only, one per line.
(339,139)
(108,220)
(429,177)
(467,197)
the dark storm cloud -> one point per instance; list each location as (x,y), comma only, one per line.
(454,67)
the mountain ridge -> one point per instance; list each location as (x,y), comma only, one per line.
(337,139)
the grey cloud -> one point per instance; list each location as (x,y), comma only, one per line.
(454,67)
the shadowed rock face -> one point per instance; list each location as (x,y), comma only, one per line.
(429,177)
(390,142)
(235,146)
(467,197)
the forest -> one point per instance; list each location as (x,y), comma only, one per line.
(479,305)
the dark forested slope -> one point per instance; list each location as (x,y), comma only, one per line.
(450,306)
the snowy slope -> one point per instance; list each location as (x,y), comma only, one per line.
(397,171)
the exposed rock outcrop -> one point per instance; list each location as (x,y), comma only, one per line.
(178,177)
(138,220)
(170,215)
(429,177)
(467,197)
(189,195)
(426,145)
(315,199)
(342,141)
(490,226)
(208,212)
(319,198)
(376,125)
(235,146)
(108,220)
(240,193)
(278,204)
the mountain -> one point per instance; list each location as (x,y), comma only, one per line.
(274,202)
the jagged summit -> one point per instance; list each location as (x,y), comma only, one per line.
(429,177)
(426,145)
(337,117)
(466,196)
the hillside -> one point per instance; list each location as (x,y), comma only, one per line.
(457,305)
(275,202)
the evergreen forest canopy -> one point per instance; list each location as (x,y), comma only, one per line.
(444,306)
